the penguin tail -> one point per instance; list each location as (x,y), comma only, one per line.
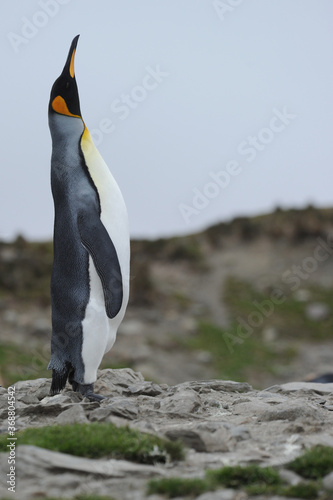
(59,379)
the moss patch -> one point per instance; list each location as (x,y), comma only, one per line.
(177,487)
(236,477)
(97,440)
(253,479)
(314,463)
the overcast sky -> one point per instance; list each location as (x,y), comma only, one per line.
(203,110)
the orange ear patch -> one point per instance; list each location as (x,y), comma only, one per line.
(59,105)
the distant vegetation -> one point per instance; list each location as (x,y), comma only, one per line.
(25,267)
(25,271)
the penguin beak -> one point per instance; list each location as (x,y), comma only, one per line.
(69,66)
(64,97)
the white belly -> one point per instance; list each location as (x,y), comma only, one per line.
(96,331)
(99,332)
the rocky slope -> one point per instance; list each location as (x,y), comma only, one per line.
(177,284)
(219,422)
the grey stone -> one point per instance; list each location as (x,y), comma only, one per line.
(32,456)
(182,403)
(58,399)
(73,415)
(219,422)
(190,438)
(216,385)
(310,386)
(28,398)
(207,437)
(43,390)
(145,388)
(30,385)
(240,433)
(328,481)
(290,477)
(121,407)
(285,411)
(112,382)
(317,311)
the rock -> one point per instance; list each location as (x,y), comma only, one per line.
(240,432)
(328,481)
(286,411)
(146,388)
(290,477)
(317,311)
(190,438)
(73,415)
(219,423)
(216,385)
(111,382)
(121,407)
(32,459)
(28,399)
(43,390)
(58,399)
(182,403)
(31,385)
(306,386)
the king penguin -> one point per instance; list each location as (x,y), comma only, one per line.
(90,274)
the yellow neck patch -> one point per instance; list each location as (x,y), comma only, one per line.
(59,105)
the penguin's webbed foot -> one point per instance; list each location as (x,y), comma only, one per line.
(94,397)
(87,390)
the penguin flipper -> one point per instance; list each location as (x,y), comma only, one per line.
(96,240)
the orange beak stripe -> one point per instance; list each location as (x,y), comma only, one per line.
(71,66)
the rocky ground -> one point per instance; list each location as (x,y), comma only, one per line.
(219,422)
(177,284)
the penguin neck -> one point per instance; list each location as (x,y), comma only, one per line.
(65,129)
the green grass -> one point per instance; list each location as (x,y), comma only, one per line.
(308,491)
(77,497)
(97,440)
(230,477)
(237,358)
(19,363)
(253,479)
(177,487)
(288,317)
(238,476)
(314,463)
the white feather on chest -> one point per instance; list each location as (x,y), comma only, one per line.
(99,332)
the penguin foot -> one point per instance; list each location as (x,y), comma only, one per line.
(94,397)
(87,390)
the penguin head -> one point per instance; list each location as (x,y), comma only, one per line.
(64,98)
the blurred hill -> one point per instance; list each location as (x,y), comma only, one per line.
(248,300)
